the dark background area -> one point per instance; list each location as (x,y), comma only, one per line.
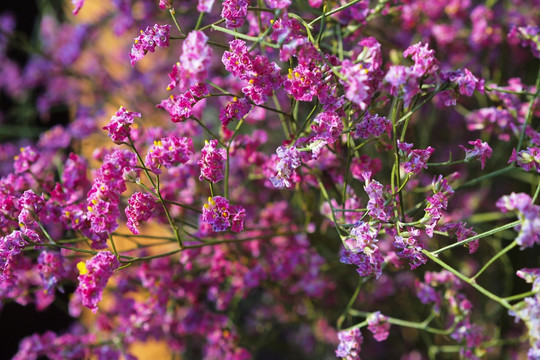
(16,321)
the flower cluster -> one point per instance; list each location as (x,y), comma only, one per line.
(168,152)
(212,162)
(119,128)
(93,277)
(221,215)
(140,208)
(148,40)
(323,144)
(528,213)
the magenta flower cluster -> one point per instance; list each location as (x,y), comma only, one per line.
(273,144)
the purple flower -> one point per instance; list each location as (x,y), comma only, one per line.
(349,344)
(30,205)
(10,246)
(424,61)
(289,160)
(329,127)
(466,83)
(481,150)
(234,110)
(357,85)
(407,247)
(278,4)
(93,277)
(368,262)
(378,324)
(460,232)
(528,213)
(414,160)
(527,159)
(27,157)
(140,208)
(404,82)
(261,75)
(179,107)
(168,152)
(234,12)
(194,62)
(212,162)
(74,175)
(365,235)
(51,269)
(526,36)
(221,215)
(148,40)
(205,6)
(373,125)
(304,82)
(375,205)
(119,127)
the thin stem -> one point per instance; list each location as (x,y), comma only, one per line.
(521,296)
(333,11)
(408,324)
(353,298)
(494,258)
(199,20)
(467,280)
(207,130)
(172,12)
(478,236)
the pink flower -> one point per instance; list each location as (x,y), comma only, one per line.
(404,82)
(78,4)
(303,83)
(349,344)
(94,275)
(328,127)
(140,208)
(414,159)
(168,152)
(148,40)
(119,127)
(373,125)
(221,215)
(234,12)
(30,205)
(26,158)
(179,107)
(212,162)
(234,110)
(375,205)
(378,324)
(481,150)
(194,62)
(527,159)
(424,61)
(289,160)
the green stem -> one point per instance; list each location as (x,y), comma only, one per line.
(467,280)
(408,324)
(494,258)
(171,11)
(207,130)
(478,236)
(199,21)
(521,296)
(333,11)
(341,318)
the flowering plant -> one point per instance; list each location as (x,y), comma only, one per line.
(247,154)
